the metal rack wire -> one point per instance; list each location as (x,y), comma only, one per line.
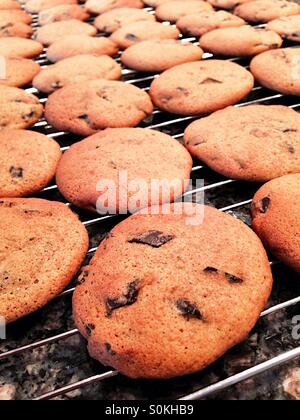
(215,186)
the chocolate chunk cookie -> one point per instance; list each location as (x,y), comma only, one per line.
(87,107)
(145,155)
(28,162)
(97,8)
(276,218)
(136,32)
(9,5)
(174,10)
(80,44)
(157,56)
(171,285)
(42,247)
(36,6)
(15,16)
(287,27)
(79,68)
(284,76)
(113,20)
(20,47)
(227,4)
(15,29)
(240,42)
(200,23)
(18,109)
(56,31)
(228,142)
(62,12)
(19,72)
(261,11)
(201,87)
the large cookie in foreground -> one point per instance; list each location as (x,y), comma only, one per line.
(276,218)
(252,143)
(201,87)
(42,247)
(87,107)
(172,303)
(124,157)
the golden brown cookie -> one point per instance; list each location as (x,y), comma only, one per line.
(62,12)
(19,72)
(113,20)
(87,107)
(278,70)
(9,5)
(171,303)
(18,109)
(201,87)
(159,55)
(97,8)
(80,68)
(227,4)
(244,41)
(36,6)
(35,266)
(80,44)
(276,218)
(15,16)
(175,9)
(287,27)
(200,23)
(136,32)
(145,155)
(56,31)
(252,143)
(15,29)
(20,47)
(28,162)
(261,11)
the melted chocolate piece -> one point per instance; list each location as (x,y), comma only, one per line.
(89,329)
(264,205)
(230,277)
(210,80)
(153,238)
(128,299)
(131,37)
(188,309)
(82,277)
(16,172)
(108,349)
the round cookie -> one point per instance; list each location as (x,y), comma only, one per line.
(97,8)
(19,71)
(15,16)
(227,4)
(80,44)
(170,284)
(20,47)
(199,24)
(201,87)
(262,11)
(62,12)
(56,31)
(244,41)
(15,29)
(18,109)
(252,143)
(136,32)
(9,5)
(80,68)
(276,218)
(174,10)
(278,70)
(42,247)
(87,107)
(36,6)
(287,27)
(113,20)
(145,155)
(159,55)
(28,162)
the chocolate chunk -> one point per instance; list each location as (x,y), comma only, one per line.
(89,329)
(29,116)
(16,172)
(108,349)
(290,130)
(152,238)
(128,299)
(188,309)
(211,270)
(233,279)
(82,277)
(295,34)
(56,85)
(210,80)
(264,205)
(291,149)
(131,37)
